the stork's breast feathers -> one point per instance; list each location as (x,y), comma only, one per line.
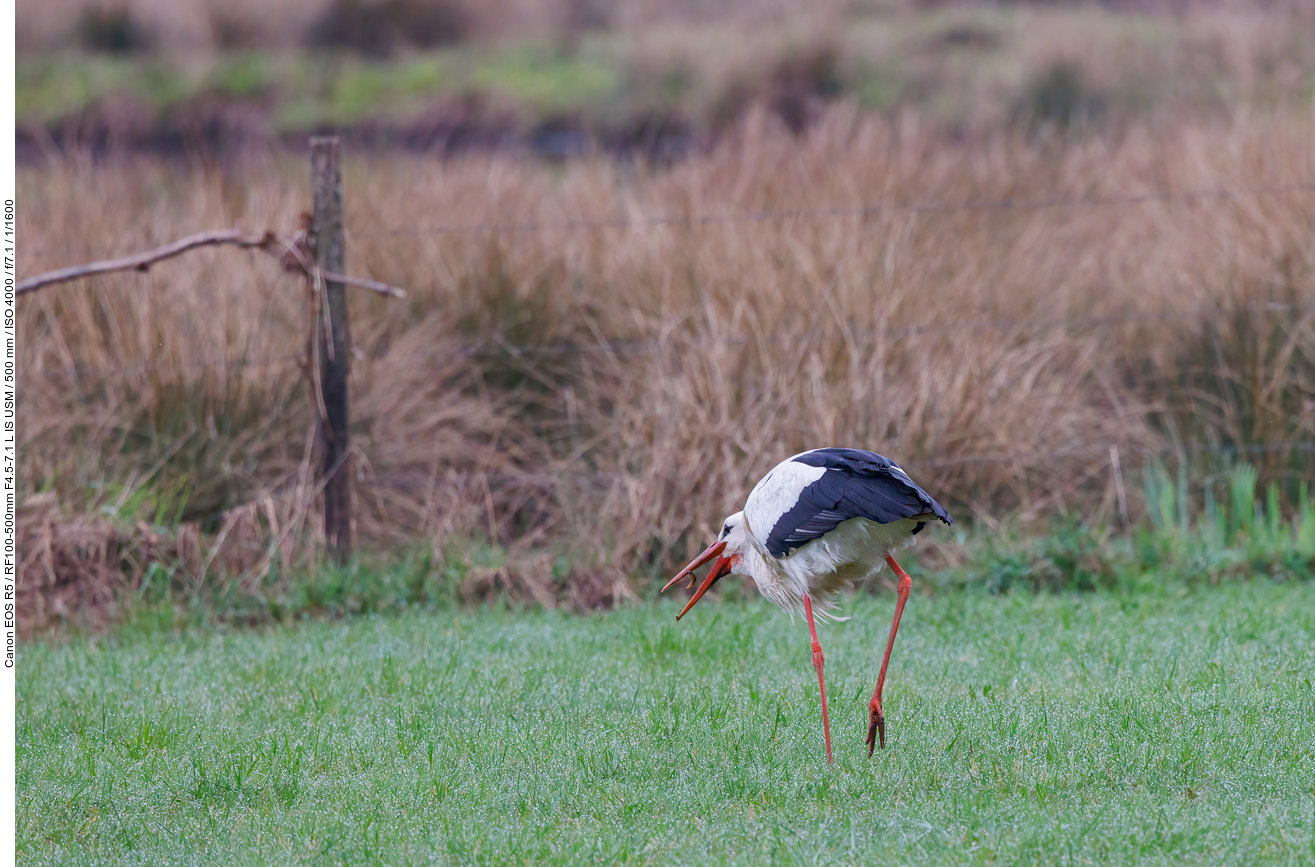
(810,494)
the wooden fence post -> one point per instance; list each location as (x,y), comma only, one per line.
(333,347)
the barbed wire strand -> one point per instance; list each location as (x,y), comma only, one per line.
(497,349)
(548,480)
(839,211)
(1103,450)
(927,207)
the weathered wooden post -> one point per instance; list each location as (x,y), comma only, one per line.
(333,346)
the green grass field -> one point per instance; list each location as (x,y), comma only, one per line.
(1166,728)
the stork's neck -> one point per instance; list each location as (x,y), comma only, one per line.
(774,582)
(755,561)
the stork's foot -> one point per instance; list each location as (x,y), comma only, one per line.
(876,729)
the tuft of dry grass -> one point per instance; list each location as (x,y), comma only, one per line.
(611,390)
(79,568)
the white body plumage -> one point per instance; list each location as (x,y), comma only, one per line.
(821,520)
(820,569)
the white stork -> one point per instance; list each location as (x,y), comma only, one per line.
(817,522)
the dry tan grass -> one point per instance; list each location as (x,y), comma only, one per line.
(710,351)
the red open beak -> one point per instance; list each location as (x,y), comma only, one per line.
(719,569)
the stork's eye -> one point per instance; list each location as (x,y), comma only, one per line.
(725,530)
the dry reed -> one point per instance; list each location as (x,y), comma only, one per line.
(609,392)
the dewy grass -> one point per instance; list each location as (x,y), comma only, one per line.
(1163,727)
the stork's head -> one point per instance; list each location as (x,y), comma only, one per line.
(728,552)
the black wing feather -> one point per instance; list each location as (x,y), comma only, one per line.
(856,484)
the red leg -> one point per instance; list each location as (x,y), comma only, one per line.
(876,721)
(817,663)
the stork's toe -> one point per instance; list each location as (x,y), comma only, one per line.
(876,729)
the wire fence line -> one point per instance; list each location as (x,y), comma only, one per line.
(1101,450)
(550,480)
(872,210)
(110,371)
(546,481)
(498,349)
(775,215)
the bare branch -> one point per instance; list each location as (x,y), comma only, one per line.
(143,261)
(362,283)
(266,243)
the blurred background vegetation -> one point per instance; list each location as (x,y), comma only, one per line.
(1102,393)
(565,77)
